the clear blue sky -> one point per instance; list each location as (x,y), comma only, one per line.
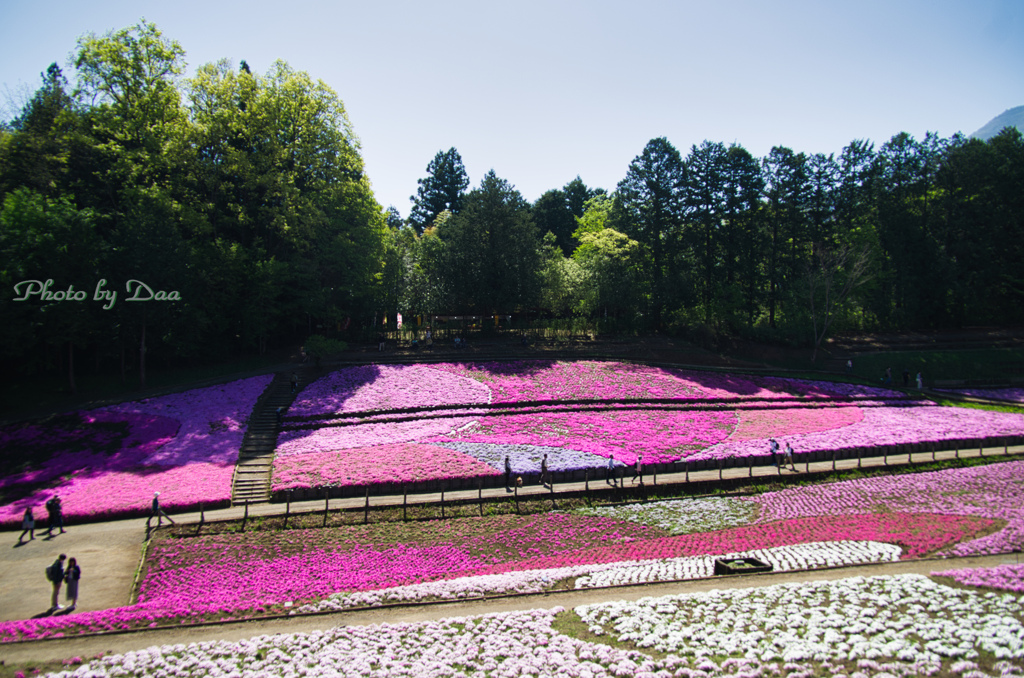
(543,91)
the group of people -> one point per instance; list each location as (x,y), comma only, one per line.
(55,519)
(545,472)
(638,471)
(787,455)
(58,575)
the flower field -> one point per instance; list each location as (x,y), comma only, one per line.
(904,625)
(466,416)
(241,575)
(110,461)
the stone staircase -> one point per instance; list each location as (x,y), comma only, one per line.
(251,482)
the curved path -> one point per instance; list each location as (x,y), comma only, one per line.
(62,648)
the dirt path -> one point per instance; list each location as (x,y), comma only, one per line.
(62,648)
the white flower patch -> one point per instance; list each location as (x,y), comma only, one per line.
(908,618)
(683,516)
(876,628)
(782,558)
(509,644)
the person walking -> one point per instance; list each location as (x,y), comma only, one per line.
(610,477)
(295,382)
(920,382)
(638,470)
(28,524)
(508,473)
(55,515)
(773,449)
(55,573)
(157,512)
(71,576)
(788,457)
(544,475)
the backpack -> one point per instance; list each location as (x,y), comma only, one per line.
(51,574)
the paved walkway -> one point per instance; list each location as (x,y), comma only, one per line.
(58,649)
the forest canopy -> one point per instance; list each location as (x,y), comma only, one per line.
(235,205)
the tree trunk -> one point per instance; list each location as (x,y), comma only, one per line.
(142,357)
(71,366)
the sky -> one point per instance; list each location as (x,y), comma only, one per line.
(542,92)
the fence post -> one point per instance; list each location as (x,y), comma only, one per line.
(480,494)
(516,488)
(327,496)
(834,452)
(654,473)
(1006,447)
(687,471)
(750,467)
(442,503)
(552,487)
(202,519)
(981,449)
(720,468)
(586,481)
(287,508)
(933,451)
(245,516)
(366,507)
(885,455)
(956,452)
(405,501)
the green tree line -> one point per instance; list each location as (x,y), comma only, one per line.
(913,234)
(235,209)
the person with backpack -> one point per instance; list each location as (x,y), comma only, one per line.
(55,513)
(545,476)
(55,575)
(71,576)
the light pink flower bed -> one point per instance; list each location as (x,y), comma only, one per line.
(395,463)
(1008,577)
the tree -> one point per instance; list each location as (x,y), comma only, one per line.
(442,189)
(787,194)
(613,265)
(705,198)
(552,215)
(742,233)
(491,248)
(36,153)
(832,274)
(649,208)
(134,71)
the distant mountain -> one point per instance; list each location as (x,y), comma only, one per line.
(1011,118)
